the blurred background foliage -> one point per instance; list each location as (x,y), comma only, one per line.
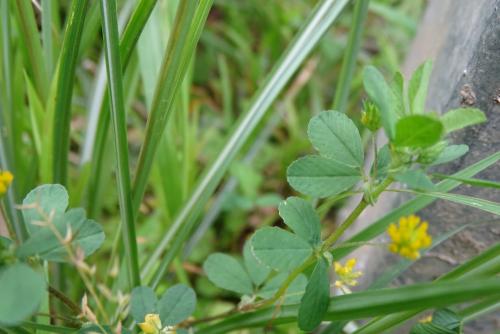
(238,47)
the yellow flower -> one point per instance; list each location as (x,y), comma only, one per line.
(426,319)
(151,324)
(346,275)
(5,180)
(409,237)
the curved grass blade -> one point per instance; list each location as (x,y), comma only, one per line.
(65,82)
(117,108)
(318,22)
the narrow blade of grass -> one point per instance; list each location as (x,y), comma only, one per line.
(350,55)
(65,82)
(117,108)
(318,22)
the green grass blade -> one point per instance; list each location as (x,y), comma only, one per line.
(117,108)
(29,29)
(350,55)
(129,39)
(48,47)
(369,303)
(65,82)
(479,309)
(318,22)
(470,181)
(189,22)
(414,205)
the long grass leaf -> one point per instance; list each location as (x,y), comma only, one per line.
(117,108)
(65,83)
(318,22)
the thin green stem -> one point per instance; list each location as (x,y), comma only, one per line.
(117,107)
(65,83)
(350,55)
(334,237)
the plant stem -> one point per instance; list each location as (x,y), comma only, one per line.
(117,107)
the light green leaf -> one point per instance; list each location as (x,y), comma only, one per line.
(415,179)
(457,119)
(451,153)
(418,86)
(258,271)
(336,137)
(280,249)
(397,87)
(381,94)
(300,216)
(444,321)
(176,304)
(227,273)
(294,292)
(44,199)
(86,235)
(418,131)
(383,162)
(320,177)
(142,301)
(22,290)
(474,202)
(316,299)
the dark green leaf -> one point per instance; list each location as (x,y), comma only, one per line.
(142,301)
(22,290)
(176,304)
(381,94)
(336,137)
(320,177)
(300,216)
(280,249)
(457,119)
(418,86)
(258,271)
(316,299)
(418,131)
(415,179)
(227,273)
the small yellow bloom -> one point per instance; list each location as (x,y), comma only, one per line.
(151,324)
(409,237)
(346,275)
(6,178)
(426,319)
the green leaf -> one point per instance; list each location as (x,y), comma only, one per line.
(176,304)
(300,216)
(451,153)
(86,235)
(415,179)
(472,182)
(320,177)
(294,292)
(258,271)
(418,131)
(474,202)
(336,137)
(383,162)
(418,86)
(44,199)
(227,273)
(397,87)
(444,321)
(381,94)
(430,328)
(142,301)
(457,119)
(280,249)
(316,299)
(22,290)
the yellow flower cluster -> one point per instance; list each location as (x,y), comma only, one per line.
(346,275)
(5,180)
(409,236)
(152,325)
